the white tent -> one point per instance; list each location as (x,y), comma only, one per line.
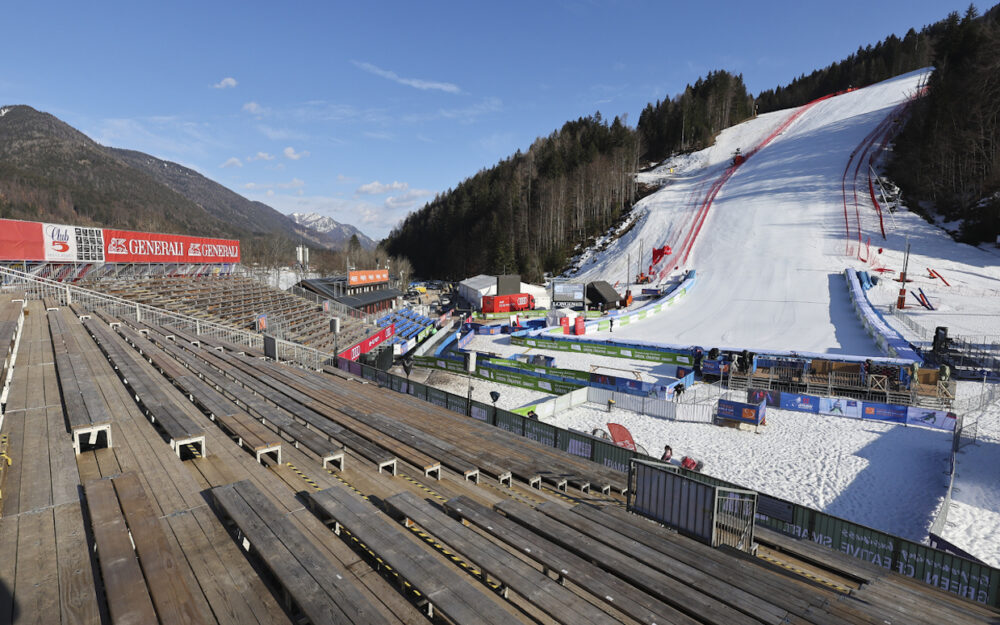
(473,289)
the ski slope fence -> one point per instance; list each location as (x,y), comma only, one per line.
(956,574)
(702,213)
(621,318)
(887,339)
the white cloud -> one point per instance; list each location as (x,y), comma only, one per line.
(343,178)
(294,183)
(226,83)
(416,83)
(260,156)
(464,115)
(280,134)
(377,188)
(408,200)
(254,109)
(232,162)
(290,152)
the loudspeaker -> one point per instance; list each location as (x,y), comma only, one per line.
(470,362)
(940,343)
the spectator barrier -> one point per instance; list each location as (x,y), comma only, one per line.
(855,409)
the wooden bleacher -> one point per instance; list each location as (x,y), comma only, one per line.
(444,589)
(86,410)
(137,561)
(157,399)
(311,583)
(520,550)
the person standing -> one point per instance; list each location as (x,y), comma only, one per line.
(668,453)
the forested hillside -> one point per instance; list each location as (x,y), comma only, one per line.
(526,213)
(948,156)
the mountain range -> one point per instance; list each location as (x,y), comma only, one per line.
(51,172)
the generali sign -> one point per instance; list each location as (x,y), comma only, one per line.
(34,241)
(123,246)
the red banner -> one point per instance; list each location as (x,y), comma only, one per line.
(368,276)
(34,241)
(21,240)
(621,436)
(370,343)
(123,246)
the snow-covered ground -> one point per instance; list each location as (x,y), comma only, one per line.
(770,259)
(888,477)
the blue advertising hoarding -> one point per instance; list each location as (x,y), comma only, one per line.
(773,398)
(800,403)
(883,412)
(738,411)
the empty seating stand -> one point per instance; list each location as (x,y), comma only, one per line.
(445,590)
(86,410)
(494,562)
(137,561)
(152,393)
(309,582)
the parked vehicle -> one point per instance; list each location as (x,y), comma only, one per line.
(508,303)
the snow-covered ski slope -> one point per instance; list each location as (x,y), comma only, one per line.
(771,248)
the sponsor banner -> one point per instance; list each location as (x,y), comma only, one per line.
(368,276)
(840,407)
(621,436)
(773,398)
(21,240)
(59,242)
(363,347)
(123,246)
(801,403)
(261,322)
(930,418)
(883,412)
(738,411)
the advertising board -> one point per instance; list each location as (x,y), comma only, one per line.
(125,246)
(773,398)
(801,403)
(840,407)
(930,418)
(738,411)
(883,412)
(363,347)
(367,276)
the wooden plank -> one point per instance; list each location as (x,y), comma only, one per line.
(329,577)
(602,585)
(539,589)
(36,482)
(62,464)
(451,594)
(171,597)
(8,567)
(308,594)
(77,592)
(125,587)
(37,581)
(13,427)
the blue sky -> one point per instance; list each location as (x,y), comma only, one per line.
(363,111)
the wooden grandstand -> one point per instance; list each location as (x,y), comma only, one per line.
(238,301)
(320,497)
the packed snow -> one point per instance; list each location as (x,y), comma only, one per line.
(770,259)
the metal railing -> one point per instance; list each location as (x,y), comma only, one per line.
(66,294)
(733,525)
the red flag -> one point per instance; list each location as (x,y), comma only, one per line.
(621,436)
(660,252)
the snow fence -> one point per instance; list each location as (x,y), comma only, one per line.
(887,339)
